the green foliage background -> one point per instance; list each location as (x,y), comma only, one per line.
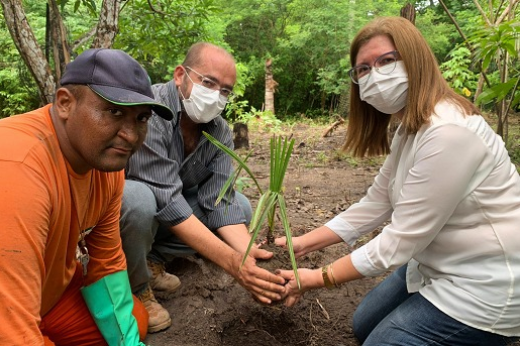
(308,41)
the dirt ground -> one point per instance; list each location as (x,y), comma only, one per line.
(211,309)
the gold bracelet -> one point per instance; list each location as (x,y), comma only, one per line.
(332,276)
(325,275)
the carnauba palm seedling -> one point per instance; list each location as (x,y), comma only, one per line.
(270,201)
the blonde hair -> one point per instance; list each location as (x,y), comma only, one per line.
(367,129)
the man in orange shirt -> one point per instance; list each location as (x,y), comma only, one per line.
(62,268)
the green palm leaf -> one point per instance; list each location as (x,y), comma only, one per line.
(280,154)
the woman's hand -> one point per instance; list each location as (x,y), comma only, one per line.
(309,279)
(317,239)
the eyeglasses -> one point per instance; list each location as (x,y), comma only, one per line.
(213,85)
(384,64)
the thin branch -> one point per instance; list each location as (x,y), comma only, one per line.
(87,36)
(498,9)
(310,317)
(506,12)
(325,313)
(455,23)
(482,12)
(155,10)
(465,40)
(333,127)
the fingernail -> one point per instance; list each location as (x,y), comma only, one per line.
(277,271)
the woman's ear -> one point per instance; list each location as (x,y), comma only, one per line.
(64,103)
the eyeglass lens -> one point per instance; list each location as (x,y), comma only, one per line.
(211,84)
(384,64)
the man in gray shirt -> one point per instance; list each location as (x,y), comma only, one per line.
(173,182)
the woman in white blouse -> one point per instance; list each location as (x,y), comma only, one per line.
(450,192)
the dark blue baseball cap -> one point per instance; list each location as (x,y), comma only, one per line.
(115,76)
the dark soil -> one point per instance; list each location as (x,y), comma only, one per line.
(280,259)
(210,308)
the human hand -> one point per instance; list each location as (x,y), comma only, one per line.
(292,292)
(299,249)
(258,253)
(262,284)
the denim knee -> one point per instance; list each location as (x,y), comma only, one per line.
(139,204)
(360,327)
(245,205)
(380,302)
(138,228)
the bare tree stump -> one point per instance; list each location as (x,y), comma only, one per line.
(241,136)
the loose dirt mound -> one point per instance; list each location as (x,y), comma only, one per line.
(210,308)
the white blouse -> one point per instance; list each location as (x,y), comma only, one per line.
(452,196)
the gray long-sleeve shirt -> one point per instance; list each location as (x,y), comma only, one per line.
(160,163)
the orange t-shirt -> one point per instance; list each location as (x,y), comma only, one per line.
(43,205)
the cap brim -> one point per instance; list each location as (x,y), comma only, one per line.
(130,98)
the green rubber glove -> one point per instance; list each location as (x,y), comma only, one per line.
(110,303)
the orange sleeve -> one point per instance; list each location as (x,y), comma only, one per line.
(24,219)
(104,242)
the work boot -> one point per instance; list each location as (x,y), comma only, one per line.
(158,317)
(161,280)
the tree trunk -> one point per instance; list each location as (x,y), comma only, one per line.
(107,27)
(35,58)
(480,87)
(270,86)
(408,12)
(58,38)
(29,49)
(343,104)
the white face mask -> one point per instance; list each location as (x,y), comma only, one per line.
(386,93)
(204,104)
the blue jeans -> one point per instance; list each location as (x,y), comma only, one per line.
(143,237)
(389,315)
